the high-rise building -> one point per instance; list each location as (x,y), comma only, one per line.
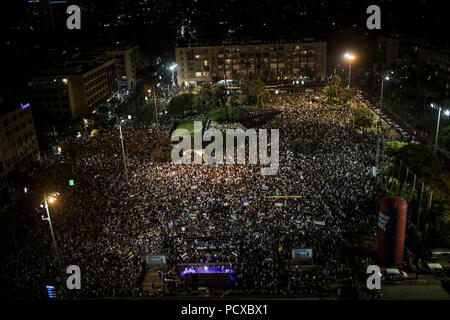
(434,69)
(126,58)
(72,87)
(18,142)
(305,60)
(398,48)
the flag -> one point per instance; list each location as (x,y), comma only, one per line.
(192,215)
(278,196)
(128,255)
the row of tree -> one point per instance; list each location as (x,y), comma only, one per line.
(201,101)
(415,164)
(336,94)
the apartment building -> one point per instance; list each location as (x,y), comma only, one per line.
(398,48)
(18,142)
(126,58)
(305,60)
(434,69)
(72,87)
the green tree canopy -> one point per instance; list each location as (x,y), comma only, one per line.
(181,103)
(255,91)
(363,117)
(338,94)
(421,160)
(391,148)
(204,100)
(219,92)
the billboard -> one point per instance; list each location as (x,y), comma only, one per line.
(155,260)
(302,254)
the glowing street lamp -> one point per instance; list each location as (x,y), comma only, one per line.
(349,57)
(382,84)
(50,199)
(447,113)
(172,67)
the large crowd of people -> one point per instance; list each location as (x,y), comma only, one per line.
(194,213)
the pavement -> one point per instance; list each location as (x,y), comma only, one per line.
(426,288)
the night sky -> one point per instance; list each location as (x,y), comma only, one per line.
(156,26)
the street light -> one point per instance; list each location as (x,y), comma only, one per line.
(378,136)
(447,113)
(382,85)
(172,67)
(349,57)
(51,199)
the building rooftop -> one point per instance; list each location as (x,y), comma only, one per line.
(250,42)
(76,63)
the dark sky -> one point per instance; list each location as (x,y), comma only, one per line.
(342,23)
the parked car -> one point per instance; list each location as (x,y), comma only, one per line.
(394,274)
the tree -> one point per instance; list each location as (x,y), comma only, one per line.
(218,92)
(181,103)
(363,117)
(204,101)
(232,101)
(439,220)
(392,148)
(422,161)
(445,136)
(255,91)
(338,94)
(197,89)
(345,95)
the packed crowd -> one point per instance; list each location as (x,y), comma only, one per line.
(105,216)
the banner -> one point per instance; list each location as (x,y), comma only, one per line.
(129,255)
(192,215)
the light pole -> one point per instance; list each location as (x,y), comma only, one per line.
(381,96)
(123,153)
(447,113)
(378,137)
(123,148)
(349,57)
(382,85)
(51,199)
(154,98)
(172,67)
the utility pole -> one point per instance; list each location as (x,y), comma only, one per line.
(156,108)
(381,96)
(437,129)
(51,227)
(123,148)
(57,257)
(123,153)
